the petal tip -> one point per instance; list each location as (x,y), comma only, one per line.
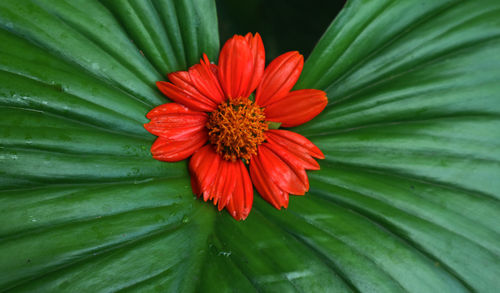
(160,84)
(239,216)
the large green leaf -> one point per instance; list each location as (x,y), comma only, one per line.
(407,198)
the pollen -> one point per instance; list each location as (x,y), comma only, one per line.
(237,128)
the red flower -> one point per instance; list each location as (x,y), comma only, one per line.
(215,119)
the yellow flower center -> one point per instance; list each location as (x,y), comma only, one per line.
(237,128)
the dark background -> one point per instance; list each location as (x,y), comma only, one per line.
(285,25)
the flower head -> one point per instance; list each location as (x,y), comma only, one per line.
(220,117)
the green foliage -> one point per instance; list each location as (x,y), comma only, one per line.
(407,198)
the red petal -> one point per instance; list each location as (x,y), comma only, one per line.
(240,203)
(205,80)
(175,122)
(225,182)
(279,78)
(167,150)
(259,59)
(222,188)
(236,67)
(273,176)
(294,163)
(198,88)
(188,97)
(179,127)
(168,108)
(181,130)
(294,142)
(267,188)
(203,167)
(297,107)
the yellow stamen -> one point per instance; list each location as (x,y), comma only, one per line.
(237,128)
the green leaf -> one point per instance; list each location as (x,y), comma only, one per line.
(406,199)
(273,125)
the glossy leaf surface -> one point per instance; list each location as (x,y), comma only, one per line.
(407,198)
